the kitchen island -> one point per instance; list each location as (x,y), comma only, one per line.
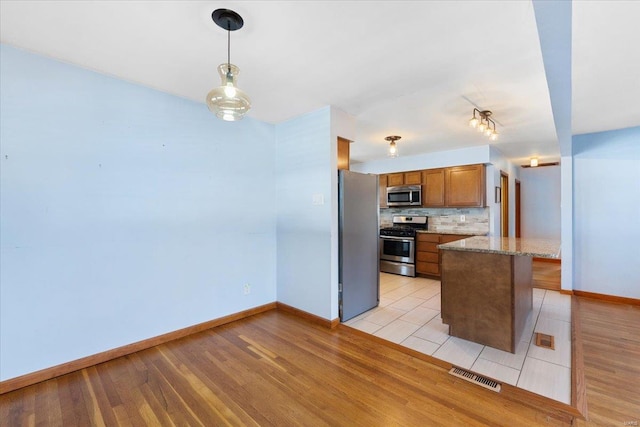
(487,291)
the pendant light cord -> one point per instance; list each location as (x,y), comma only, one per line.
(229,47)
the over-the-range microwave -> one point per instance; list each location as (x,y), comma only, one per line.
(404,195)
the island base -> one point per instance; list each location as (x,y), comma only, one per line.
(486,297)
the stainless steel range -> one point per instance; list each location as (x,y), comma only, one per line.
(398,245)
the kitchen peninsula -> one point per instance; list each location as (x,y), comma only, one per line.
(487,287)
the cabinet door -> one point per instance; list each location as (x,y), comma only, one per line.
(394,179)
(427,258)
(433,188)
(413,178)
(382,182)
(465,186)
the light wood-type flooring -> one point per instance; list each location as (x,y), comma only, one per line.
(278,369)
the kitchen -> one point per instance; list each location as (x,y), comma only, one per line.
(410,309)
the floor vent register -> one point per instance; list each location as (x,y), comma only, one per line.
(545,341)
(476,379)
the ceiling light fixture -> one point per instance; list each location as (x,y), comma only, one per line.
(533,162)
(393,148)
(483,124)
(227,101)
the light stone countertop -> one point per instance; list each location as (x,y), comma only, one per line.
(541,248)
(458,232)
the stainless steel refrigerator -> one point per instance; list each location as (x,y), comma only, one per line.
(359,210)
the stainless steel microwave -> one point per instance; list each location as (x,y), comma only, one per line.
(404,195)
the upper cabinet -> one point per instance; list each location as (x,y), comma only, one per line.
(455,187)
(433,188)
(404,178)
(343,153)
(394,179)
(413,178)
(465,186)
(382,182)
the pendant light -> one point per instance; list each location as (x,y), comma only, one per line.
(227,101)
(393,148)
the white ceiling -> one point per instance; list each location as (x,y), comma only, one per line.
(410,68)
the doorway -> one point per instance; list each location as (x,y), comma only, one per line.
(504,204)
(517,201)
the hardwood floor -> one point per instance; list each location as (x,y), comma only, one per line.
(270,369)
(611,345)
(278,369)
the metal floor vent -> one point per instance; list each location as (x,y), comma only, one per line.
(476,379)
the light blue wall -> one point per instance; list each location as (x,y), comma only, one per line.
(125,213)
(606,176)
(540,200)
(439,159)
(554,22)
(305,156)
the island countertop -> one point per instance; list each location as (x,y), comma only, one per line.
(541,248)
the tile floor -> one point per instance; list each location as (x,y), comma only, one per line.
(409,314)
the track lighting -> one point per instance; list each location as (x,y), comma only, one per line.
(484,124)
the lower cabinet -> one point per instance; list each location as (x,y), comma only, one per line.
(428,254)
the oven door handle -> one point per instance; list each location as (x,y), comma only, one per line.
(404,239)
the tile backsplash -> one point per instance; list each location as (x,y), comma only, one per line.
(444,220)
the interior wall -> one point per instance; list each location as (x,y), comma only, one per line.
(606,173)
(500,163)
(305,156)
(126,213)
(540,200)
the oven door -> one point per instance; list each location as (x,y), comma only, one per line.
(400,249)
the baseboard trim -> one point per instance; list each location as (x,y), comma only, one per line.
(16,383)
(608,298)
(308,316)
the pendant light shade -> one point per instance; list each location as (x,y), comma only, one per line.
(393,147)
(227,101)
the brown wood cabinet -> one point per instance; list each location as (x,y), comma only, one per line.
(404,178)
(343,153)
(465,186)
(455,187)
(382,193)
(428,255)
(413,178)
(394,179)
(433,188)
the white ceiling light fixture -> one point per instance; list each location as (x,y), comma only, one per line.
(227,101)
(533,162)
(483,124)
(393,148)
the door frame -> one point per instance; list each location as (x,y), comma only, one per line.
(504,204)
